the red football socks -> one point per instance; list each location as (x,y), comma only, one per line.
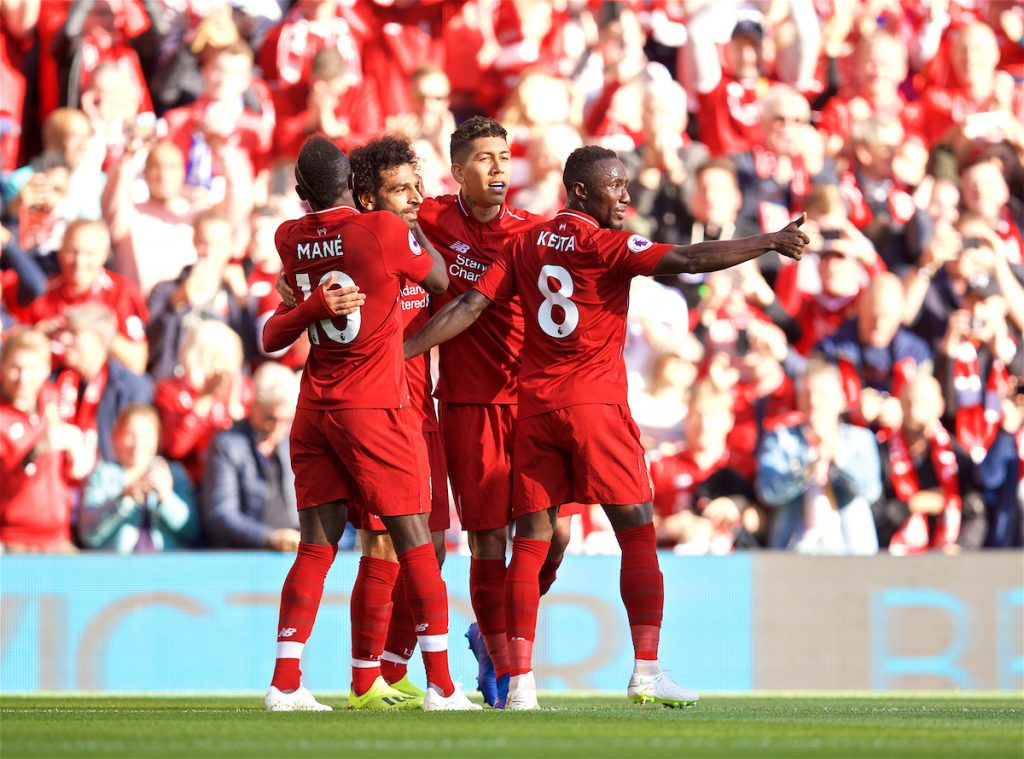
(547,574)
(642,588)
(300,601)
(522,597)
(401,641)
(487,594)
(428,597)
(370,609)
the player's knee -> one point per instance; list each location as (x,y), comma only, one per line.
(377,545)
(626,517)
(488,544)
(323,524)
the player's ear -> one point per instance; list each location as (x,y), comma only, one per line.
(300,193)
(367,201)
(579,190)
(457,173)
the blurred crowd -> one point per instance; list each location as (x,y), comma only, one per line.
(868,398)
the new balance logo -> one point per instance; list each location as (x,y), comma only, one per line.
(459,247)
(286,632)
(421,628)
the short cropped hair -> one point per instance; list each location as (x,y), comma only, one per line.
(95,318)
(327,64)
(322,171)
(579,166)
(374,158)
(474,128)
(141,410)
(25,339)
(275,384)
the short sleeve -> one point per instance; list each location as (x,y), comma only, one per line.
(403,253)
(629,255)
(498,283)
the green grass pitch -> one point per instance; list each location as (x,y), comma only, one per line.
(591,726)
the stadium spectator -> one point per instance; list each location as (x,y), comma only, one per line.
(547,149)
(93,386)
(35,210)
(429,126)
(876,354)
(729,99)
(776,174)
(700,499)
(83,279)
(984,191)
(114,111)
(211,288)
(36,446)
(930,501)
(820,474)
(19,19)
(206,393)
(818,302)
(68,134)
(247,496)
(21,277)
(233,111)
(139,502)
(328,103)
(98,32)
(664,164)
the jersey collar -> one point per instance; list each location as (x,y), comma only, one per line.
(579,216)
(342,207)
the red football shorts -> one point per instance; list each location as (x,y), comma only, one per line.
(374,456)
(362,519)
(589,453)
(478,445)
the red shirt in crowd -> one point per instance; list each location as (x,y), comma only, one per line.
(729,117)
(252,132)
(187,434)
(482,364)
(676,477)
(355,361)
(357,107)
(35,503)
(110,289)
(573,279)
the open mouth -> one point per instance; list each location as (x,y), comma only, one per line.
(497,186)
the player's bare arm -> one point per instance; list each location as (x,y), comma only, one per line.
(343,301)
(721,254)
(454,319)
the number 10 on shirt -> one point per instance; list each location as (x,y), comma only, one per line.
(354,319)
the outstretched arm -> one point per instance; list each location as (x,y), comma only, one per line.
(286,324)
(721,254)
(452,320)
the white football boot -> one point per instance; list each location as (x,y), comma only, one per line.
(433,701)
(300,700)
(660,689)
(522,694)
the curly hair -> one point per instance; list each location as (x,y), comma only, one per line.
(373,159)
(322,172)
(579,166)
(473,128)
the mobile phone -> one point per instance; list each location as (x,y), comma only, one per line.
(830,234)
(971,242)
(742,342)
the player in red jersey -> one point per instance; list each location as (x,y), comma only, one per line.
(575,438)
(384,178)
(354,435)
(478,387)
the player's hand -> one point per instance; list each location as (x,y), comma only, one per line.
(287,294)
(342,300)
(284,539)
(791,241)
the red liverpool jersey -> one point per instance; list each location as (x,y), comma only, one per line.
(482,364)
(111,290)
(416,313)
(355,361)
(573,279)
